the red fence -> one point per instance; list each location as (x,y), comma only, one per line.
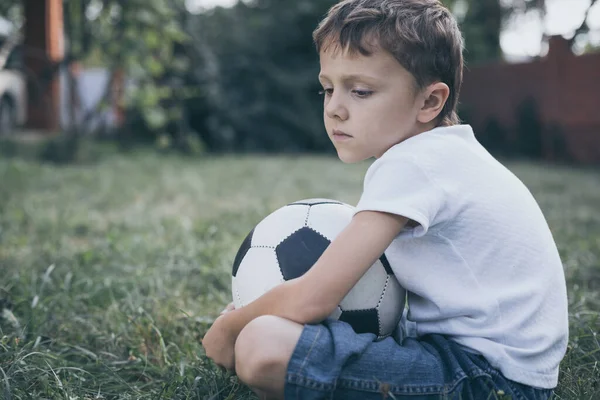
(555,99)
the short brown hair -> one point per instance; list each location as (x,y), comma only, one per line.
(421,34)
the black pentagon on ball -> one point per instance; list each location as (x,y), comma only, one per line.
(386,264)
(246,244)
(362,321)
(299,251)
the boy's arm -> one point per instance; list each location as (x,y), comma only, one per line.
(312,297)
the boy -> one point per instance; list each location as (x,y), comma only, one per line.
(486,289)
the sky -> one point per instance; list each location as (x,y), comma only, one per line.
(523,36)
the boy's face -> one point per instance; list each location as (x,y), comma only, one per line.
(371,103)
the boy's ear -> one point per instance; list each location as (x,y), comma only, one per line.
(435,97)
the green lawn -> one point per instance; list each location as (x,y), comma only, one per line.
(115,270)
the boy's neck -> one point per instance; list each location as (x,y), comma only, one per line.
(421,128)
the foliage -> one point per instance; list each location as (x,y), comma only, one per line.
(139,39)
(259,68)
(11,10)
(114,272)
(481,29)
(243,78)
(143,39)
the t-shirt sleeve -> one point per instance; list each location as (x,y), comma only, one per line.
(398,185)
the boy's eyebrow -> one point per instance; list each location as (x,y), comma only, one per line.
(351,77)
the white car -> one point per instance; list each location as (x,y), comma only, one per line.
(13,85)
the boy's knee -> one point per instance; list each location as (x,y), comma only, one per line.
(262,351)
(253,355)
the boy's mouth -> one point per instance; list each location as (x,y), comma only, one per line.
(341,135)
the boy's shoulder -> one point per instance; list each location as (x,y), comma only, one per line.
(442,147)
(455,135)
(449,156)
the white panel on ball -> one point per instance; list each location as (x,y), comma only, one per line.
(336,313)
(329,219)
(392,304)
(367,291)
(279,225)
(258,273)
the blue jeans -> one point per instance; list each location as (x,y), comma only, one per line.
(331,361)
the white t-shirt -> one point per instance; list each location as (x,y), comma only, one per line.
(481,265)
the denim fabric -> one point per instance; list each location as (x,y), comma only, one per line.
(331,361)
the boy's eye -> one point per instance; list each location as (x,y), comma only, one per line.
(357,92)
(362,93)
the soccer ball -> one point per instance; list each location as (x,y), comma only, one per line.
(290,240)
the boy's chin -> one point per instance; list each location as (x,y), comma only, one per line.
(350,158)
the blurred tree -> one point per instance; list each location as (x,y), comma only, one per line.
(481,29)
(484,21)
(519,7)
(591,48)
(583,29)
(11,10)
(138,39)
(259,68)
(245,76)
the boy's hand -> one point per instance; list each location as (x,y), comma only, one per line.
(219,343)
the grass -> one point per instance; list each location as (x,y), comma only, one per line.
(115,270)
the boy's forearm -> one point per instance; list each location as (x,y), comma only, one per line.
(284,301)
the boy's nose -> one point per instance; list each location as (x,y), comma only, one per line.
(334,109)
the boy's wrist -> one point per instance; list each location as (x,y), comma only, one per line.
(231,323)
